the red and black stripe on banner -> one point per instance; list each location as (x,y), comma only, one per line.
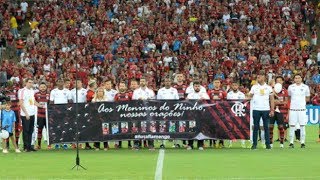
(232,126)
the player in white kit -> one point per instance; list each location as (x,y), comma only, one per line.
(167,93)
(299,95)
(235,94)
(197,95)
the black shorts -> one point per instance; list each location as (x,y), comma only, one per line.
(277,118)
(41,122)
(10,134)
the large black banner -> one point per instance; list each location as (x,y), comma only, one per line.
(152,119)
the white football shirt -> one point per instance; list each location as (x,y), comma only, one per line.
(82,95)
(190,89)
(60,96)
(198,95)
(143,94)
(110,94)
(171,93)
(298,96)
(235,95)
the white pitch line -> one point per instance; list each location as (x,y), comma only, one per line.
(158,174)
(268,178)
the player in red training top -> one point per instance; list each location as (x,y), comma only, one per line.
(217,93)
(181,88)
(123,95)
(281,111)
(91,90)
(316,102)
(42,97)
(13,94)
(133,86)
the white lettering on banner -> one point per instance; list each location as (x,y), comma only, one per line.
(181,107)
(313,114)
(164,111)
(238,109)
(126,107)
(150,136)
(103,109)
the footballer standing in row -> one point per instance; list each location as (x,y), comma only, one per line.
(281,111)
(299,95)
(181,88)
(167,93)
(42,97)
(60,95)
(144,93)
(123,95)
(197,95)
(235,94)
(217,94)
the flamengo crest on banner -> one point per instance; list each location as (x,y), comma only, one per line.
(238,109)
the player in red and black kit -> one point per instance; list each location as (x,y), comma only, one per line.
(13,94)
(90,94)
(123,95)
(42,97)
(181,87)
(218,94)
(316,102)
(91,91)
(133,86)
(281,112)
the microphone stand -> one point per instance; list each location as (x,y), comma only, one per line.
(77,126)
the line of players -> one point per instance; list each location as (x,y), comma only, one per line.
(140,91)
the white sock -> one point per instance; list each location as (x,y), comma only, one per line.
(230,142)
(44,134)
(302,134)
(263,139)
(243,141)
(175,142)
(291,134)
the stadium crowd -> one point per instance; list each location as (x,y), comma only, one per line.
(122,41)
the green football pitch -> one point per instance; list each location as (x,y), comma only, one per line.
(227,163)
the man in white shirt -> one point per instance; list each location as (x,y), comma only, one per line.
(80,91)
(60,95)
(190,88)
(27,111)
(24,7)
(235,94)
(197,95)
(299,95)
(167,93)
(263,107)
(144,93)
(109,92)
